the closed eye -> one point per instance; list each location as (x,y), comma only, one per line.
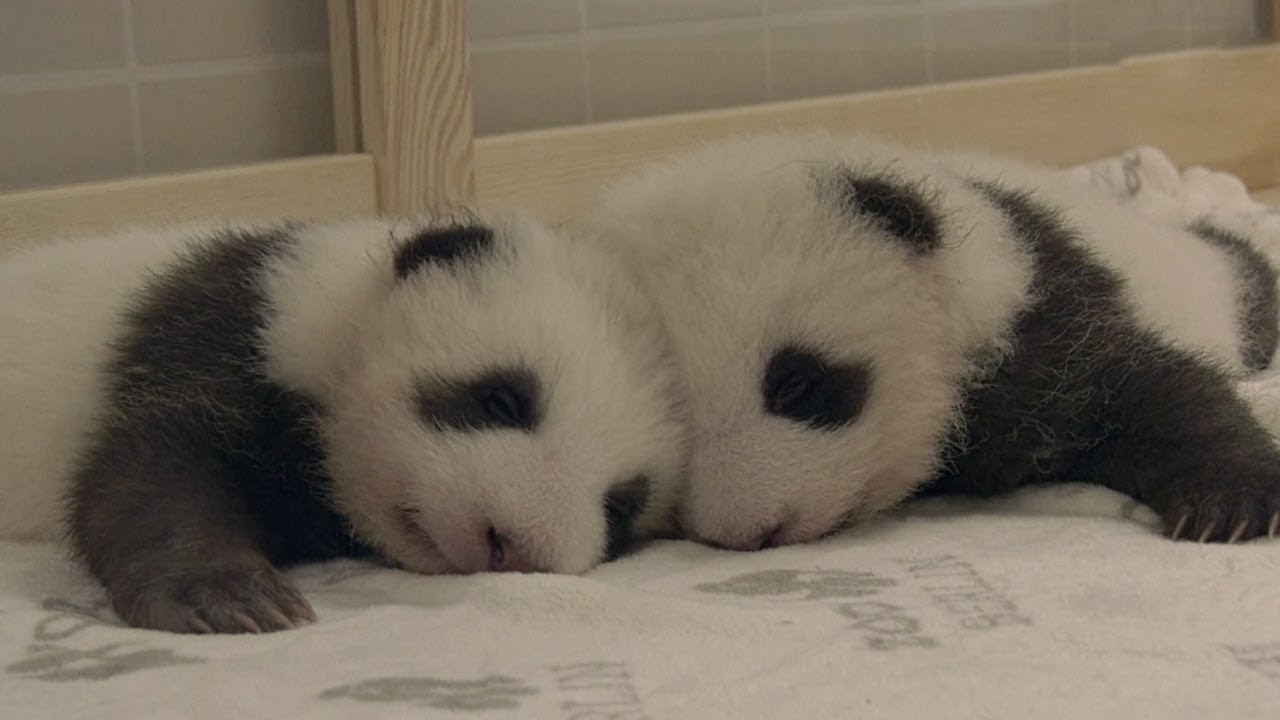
(802,386)
(507,406)
(497,400)
(786,392)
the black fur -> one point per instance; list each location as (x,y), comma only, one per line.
(622,505)
(1089,395)
(500,399)
(445,245)
(202,474)
(899,208)
(800,385)
(1258,308)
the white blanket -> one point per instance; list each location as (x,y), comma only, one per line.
(1058,602)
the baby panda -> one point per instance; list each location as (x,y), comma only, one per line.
(199,407)
(859,323)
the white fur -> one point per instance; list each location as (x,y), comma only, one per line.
(740,256)
(58,306)
(344,331)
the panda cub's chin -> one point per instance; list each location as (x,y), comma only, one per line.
(858,323)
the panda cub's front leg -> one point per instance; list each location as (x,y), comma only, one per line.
(156,515)
(1186,443)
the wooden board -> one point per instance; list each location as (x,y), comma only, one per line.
(305,188)
(1215,107)
(415,101)
(1268,196)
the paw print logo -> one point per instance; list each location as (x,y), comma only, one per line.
(55,663)
(816,584)
(493,692)
(1262,658)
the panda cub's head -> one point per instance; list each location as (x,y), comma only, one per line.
(806,284)
(507,405)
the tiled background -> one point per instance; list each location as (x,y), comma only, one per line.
(94,89)
(101,88)
(552,62)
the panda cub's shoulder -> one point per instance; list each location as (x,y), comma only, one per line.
(1195,283)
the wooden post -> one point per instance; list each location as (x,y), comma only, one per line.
(414,88)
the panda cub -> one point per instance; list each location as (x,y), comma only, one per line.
(859,323)
(198,407)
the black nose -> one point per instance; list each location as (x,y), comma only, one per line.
(762,541)
(505,555)
(771,538)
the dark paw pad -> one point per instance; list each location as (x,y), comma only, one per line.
(228,600)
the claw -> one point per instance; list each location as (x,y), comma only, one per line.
(278,619)
(1275,523)
(1208,530)
(247,623)
(1235,534)
(1177,529)
(302,611)
(201,626)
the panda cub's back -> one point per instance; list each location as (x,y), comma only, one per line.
(1175,283)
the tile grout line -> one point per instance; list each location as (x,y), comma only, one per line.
(926,26)
(1073,45)
(767,27)
(131,75)
(588,106)
(71,79)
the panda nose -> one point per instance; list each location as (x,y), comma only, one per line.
(771,537)
(505,555)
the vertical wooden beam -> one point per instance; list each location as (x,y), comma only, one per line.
(415,102)
(343,69)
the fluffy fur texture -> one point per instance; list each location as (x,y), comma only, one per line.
(943,323)
(215,403)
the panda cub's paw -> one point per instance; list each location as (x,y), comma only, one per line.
(1239,509)
(217,600)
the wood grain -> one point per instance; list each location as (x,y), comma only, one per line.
(1211,107)
(415,102)
(306,189)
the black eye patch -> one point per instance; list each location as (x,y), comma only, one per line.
(622,505)
(800,385)
(498,400)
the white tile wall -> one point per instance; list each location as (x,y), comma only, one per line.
(91,89)
(98,88)
(645,57)
(651,73)
(982,39)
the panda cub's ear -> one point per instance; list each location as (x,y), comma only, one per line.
(443,246)
(900,208)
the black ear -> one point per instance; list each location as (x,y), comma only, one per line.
(444,245)
(898,207)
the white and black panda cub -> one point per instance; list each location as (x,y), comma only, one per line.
(859,323)
(201,406)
